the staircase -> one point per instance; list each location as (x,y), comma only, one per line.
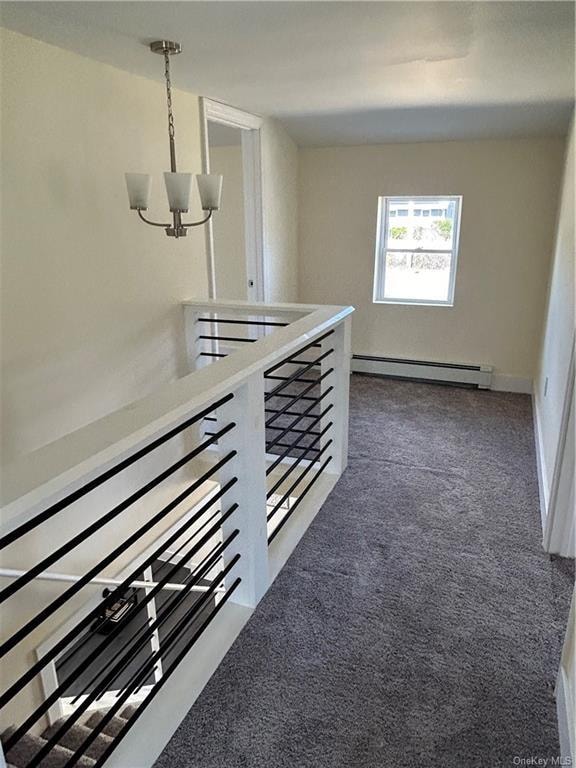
(22,755)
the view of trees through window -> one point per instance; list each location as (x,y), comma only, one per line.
(416,256)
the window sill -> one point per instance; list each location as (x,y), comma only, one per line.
(408,303)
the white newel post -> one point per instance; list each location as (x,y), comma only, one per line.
(340,341)
(193,343)
(246,409)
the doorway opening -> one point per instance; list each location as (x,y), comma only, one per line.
(234,239)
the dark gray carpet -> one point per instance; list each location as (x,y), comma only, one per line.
(418,623)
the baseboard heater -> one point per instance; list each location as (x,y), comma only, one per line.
(455,374)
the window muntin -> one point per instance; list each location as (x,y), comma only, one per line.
(415,258)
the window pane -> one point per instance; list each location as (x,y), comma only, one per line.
(421,276)
(436,233)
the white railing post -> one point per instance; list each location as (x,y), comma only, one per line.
(193,343)
(246,409)
(339,360)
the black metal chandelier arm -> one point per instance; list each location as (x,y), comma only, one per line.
(197,223)
(152,223)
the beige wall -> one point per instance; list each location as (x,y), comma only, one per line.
(228,225)
(552,380)
(280,212)
(90,315)
(509,193)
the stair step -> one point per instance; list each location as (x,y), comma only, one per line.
(128,711)
(112,728)
(22,754)
(76,735)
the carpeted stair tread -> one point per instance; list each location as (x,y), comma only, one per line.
(128,711)
(22,754)
(76,735)
(111,728)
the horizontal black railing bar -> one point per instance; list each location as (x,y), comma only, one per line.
(288,413)
(285,445)
(59,601)
(57,735)
(165,677)
(296,444)
(296,483)
(298,461)
(298,501)
(296,375)
(213,354)
(96,652)
(285,378)
(312,433)
(280,394)
(227,338)
(295,361)
(296,398)
(298,352)
(72,634)
(240,322)
(60,552)
(298,419)
(41,517)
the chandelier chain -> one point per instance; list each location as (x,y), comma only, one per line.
(169,94)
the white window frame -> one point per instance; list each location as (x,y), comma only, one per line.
(381,249)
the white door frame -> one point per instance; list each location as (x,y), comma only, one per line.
(216,112)
(560,526)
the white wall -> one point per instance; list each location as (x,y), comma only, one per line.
(554,375)
(554,383)
(228,225)
(90,314)
(509,190)
(280,212)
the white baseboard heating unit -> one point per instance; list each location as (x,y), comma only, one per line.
(457,374)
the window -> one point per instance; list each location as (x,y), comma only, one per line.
(415,259)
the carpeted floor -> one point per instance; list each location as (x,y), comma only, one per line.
(418,623)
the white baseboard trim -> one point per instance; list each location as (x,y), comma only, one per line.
(503,383)
(448,373)
(423,370)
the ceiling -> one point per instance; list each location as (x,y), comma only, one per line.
(343,72)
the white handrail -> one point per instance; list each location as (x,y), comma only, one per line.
(14,573)
(67,464)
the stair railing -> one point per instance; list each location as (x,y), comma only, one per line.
(225,467)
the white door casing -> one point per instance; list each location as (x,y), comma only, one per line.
(250,125)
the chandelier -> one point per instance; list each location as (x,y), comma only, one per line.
(178,185)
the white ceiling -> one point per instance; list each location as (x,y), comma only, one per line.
(343,72)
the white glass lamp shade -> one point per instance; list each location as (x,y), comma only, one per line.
(138,185)
(210,188)
(178,187)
